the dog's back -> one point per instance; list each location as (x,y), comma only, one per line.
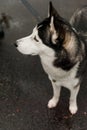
(79,22)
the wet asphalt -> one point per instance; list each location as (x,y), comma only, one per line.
(24,87)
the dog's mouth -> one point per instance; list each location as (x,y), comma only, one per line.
(33,54)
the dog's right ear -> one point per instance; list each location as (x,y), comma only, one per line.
(52,11)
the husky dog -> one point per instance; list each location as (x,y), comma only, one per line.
(62,50)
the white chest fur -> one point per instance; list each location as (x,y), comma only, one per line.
(63,78)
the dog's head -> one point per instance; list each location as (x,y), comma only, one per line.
(51,34)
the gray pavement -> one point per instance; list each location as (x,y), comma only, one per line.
(24,87)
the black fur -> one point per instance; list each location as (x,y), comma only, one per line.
(63,61)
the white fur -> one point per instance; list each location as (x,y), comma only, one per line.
(67,79)
(29,46)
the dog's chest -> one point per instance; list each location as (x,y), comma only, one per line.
(57,73)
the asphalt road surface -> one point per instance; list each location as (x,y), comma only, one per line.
(24,87)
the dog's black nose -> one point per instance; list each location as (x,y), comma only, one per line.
(15,44)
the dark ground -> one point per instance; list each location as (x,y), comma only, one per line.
(24,87)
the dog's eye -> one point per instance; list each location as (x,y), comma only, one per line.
(36,39)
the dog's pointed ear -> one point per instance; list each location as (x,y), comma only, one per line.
(53,30)
(53,15)
(52,27)
(52,11)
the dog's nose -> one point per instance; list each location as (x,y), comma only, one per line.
(15,44)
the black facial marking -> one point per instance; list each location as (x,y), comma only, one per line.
(46,36)
(44,32)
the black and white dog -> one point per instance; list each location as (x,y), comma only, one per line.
(62,50)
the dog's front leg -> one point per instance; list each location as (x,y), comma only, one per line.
(56,94)
(73,99)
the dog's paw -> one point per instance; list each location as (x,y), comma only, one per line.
(73,109)
(52,103)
